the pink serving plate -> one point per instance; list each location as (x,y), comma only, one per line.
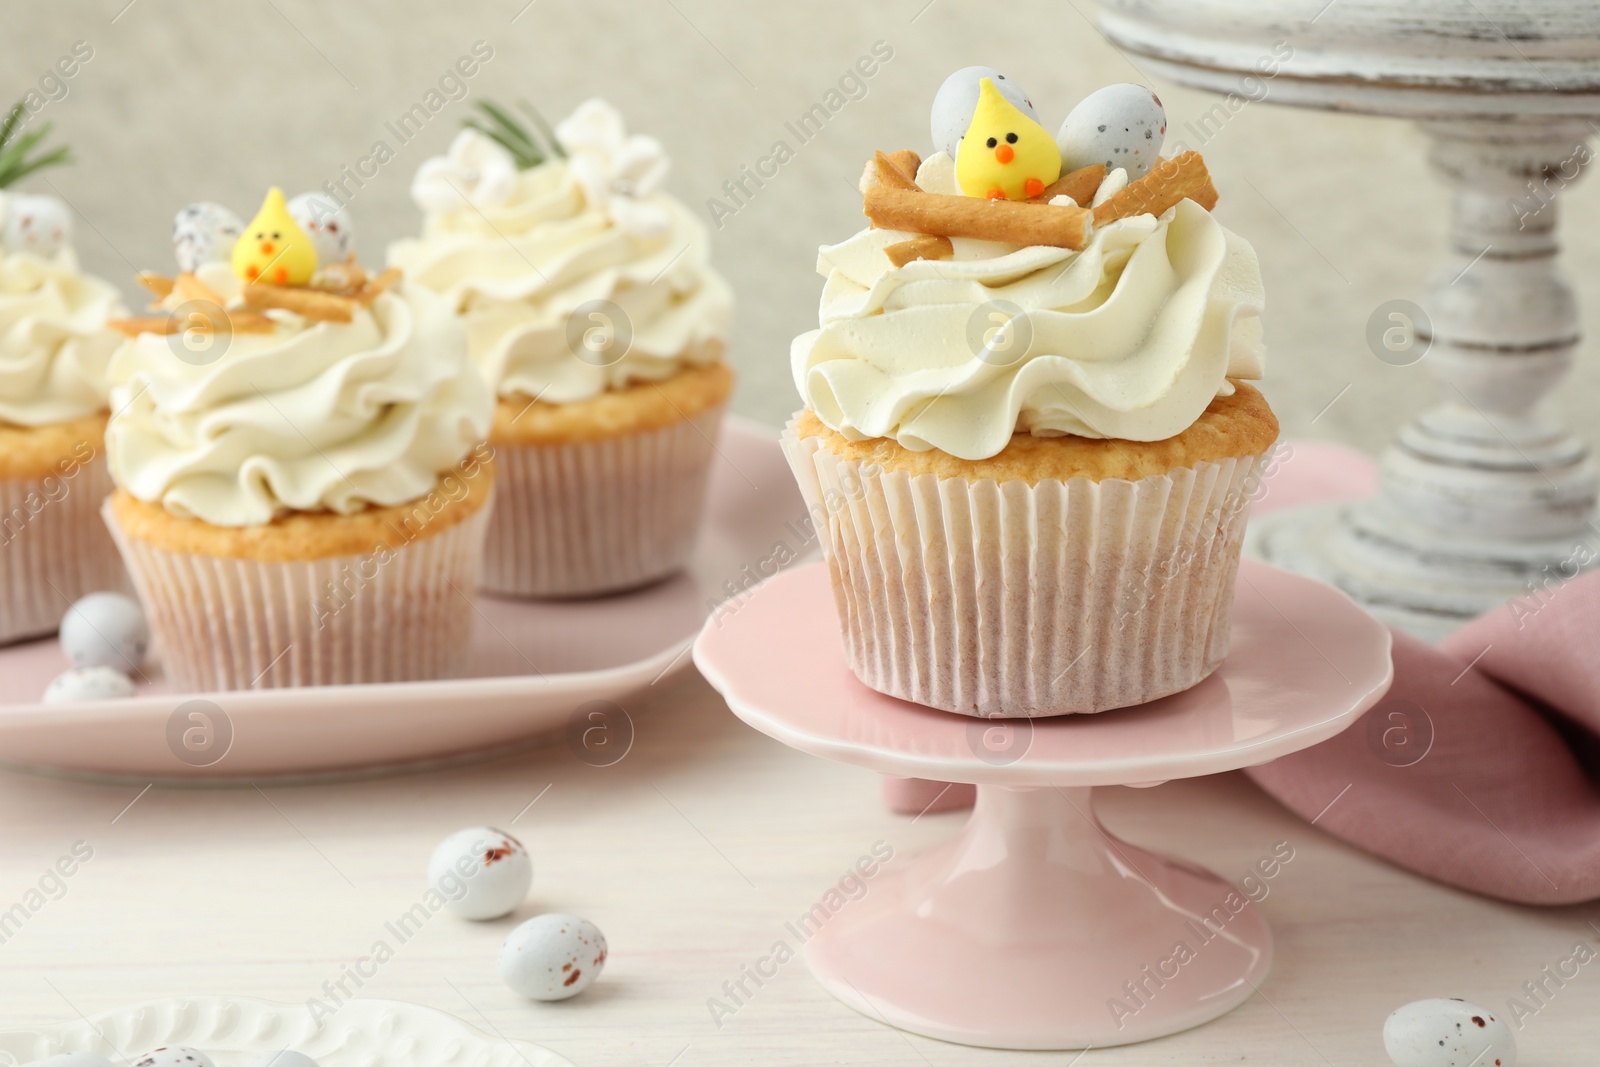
(537,668)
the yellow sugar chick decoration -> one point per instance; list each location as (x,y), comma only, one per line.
(1004,153)
(274,249)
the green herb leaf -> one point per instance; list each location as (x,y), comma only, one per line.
(505,130)
(17,160)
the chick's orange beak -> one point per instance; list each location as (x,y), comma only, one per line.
(1005,153)
(267,248)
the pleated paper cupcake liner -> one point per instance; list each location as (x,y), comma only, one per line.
(393,615)
(53,548)
(597,517)
(1005,600)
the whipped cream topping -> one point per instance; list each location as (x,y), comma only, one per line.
(574,245)
(1130,338)
(314,416)
(54,344)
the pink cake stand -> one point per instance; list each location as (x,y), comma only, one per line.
(1034,928)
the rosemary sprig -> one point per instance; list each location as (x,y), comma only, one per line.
(528,149)
(16,153)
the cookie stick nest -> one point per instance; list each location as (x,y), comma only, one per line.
(893,201)
(312,302)
(1183,177)
(889,204)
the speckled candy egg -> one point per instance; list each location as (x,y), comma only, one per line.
(1448,1033)
(482,873)
(957,99)
(204,233)
(174,1056)
(553,957)
(105,630)
(88,683)
(1120,126)
(328,224)
(72,1059)
(38,224)
(286,1058)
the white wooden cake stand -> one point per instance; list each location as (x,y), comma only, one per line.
(1483,498)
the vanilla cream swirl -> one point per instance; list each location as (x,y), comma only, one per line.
(1130,338)
(54,344)
(519,270)
(314,416)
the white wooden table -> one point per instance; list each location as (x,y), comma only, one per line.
(692,853)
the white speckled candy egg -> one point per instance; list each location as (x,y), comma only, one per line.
(88,683)
(957,99)
(482,873)
(204,233)
(38,224)
(72,1059)
(553,957)
(174,1056)
(328,224)
(286,1058)
(1120,126)
(1448,1033)
(105,630)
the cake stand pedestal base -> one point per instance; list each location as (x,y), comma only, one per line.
(1035,929)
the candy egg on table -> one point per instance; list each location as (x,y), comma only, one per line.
(285,1058)
(1004,153)
(1448,1033)
(1119,126)
(105,630)
(71,1059)
(88,683)
(38,224)
(204,233)
(174,1056)
(481,872)
(328,224)
(957,99)
(553,957)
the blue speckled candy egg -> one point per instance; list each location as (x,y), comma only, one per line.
(1448,1033)
(174,1056)
(553,957)
(88,683)
(203,233)
(1119,126)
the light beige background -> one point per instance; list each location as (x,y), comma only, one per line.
(211,100)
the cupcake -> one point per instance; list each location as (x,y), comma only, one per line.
(302,488)
(1027,436)
(54,349)
(591,309)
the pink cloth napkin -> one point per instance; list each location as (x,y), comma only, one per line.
(1479,769)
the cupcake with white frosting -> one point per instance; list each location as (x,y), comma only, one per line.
(592,310)
(302,487)
(1033,463)
(54,348)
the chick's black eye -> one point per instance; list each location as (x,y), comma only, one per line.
(276,235)
(1011,138)
(992,142)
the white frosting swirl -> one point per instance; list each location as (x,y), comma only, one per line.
(519,269)
(54,344)
(1130,338)
(315,416)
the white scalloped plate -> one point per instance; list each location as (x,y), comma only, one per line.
(534,664)
(235,1031)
